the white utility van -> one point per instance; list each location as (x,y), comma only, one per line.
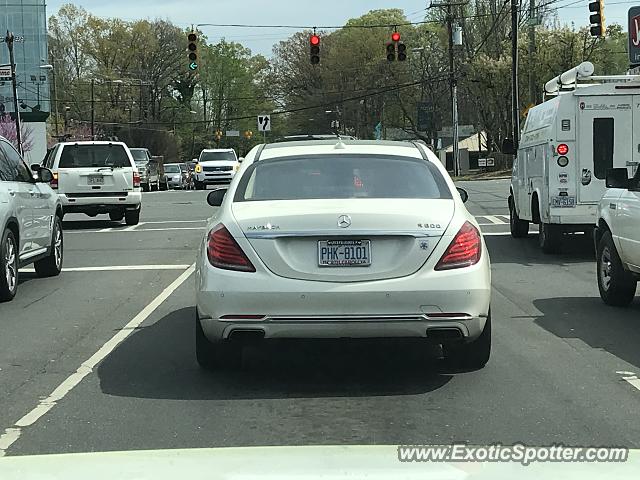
(588,125)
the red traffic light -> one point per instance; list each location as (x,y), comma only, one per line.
(395,36)
(314,40)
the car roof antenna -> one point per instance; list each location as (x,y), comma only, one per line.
(340,145)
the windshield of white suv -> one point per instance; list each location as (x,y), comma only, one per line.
(88,156)
(210,156)
(340,176)
(172,169)
(139,155)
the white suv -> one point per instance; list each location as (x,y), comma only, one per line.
(30,221)
(96,178)
(617,238)
(216,166)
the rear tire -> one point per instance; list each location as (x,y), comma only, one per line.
(224,355)
(200,186)
(473,355)
(519,228)
(132,217)
(51,266)
(616,285)
(116,216)
(154,187)
(8,266)
(145,187)
(549,238)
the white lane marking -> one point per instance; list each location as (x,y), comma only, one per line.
(631,378)
(116,268)
(108,230)
(504,217)
(495,220)
(12,434)
(133,227)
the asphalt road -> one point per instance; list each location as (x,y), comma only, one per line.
(557,371)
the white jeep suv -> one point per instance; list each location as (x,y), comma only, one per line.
(617,238)
(96,178)
(30,221)
(215,166)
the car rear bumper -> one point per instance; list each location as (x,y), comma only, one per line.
(80,201)
(174,183)
(413,306)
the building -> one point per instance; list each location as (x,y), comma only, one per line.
(27,20)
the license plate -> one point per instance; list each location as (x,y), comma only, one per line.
(344,253)
(95,180)
(563,202)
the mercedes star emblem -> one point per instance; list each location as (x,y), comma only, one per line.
(344,221)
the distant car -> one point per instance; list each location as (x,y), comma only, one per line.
(360,239)
(617,238)
(30,221)
(96,177)
(173,174)
(215,166)
(148,168)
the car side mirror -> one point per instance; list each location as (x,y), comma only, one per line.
(508,147)
(45,175)
(216,197)
(463,194)
(35,167)
(241,159)
(617,178)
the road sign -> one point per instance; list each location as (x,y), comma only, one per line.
(233,133)
(5,73)
(491,162)
(463,131)
(634,35)
(482,162)
(264,123)
(425,116)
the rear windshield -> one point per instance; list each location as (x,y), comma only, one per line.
(209,156)
(86,156)
(139,155)
(172,169)
(341,176)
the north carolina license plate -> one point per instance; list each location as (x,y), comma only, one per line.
(562,202)
(344,253)
(95,180)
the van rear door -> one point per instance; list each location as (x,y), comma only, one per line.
(605,124)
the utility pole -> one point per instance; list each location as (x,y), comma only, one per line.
(453,84)
(14,86)
(55,98)
(533,21)
(515,104)
(93,110)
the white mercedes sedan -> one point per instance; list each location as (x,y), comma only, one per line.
(342,239)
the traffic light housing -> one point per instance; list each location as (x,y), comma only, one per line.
(192,50)
(391,52)
(402,52)
(314,49)
(596,18)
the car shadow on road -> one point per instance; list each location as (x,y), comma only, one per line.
(91,224)
(158,361)
(525,251)
(616,330)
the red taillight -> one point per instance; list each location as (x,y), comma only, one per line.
(136,179)
(463,251)
(54,181)
(562,149)
(224,252)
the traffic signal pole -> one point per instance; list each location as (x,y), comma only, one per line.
(515,103)
(14,86)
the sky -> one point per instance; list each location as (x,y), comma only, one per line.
(292,12)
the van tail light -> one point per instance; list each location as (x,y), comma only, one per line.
(136,179)
(54,181)
(463,251)
(562,149)
(224,252)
